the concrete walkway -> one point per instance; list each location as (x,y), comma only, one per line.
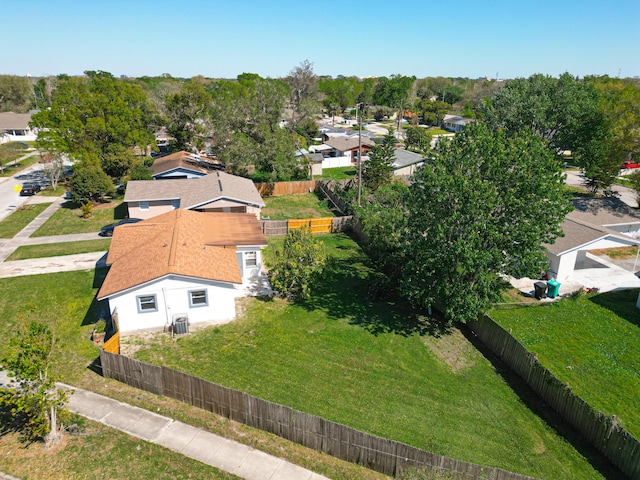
(206,447)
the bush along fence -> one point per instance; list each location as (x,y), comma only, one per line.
(602,431)
(274,228)
(385,456)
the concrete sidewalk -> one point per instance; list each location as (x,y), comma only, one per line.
(227,455)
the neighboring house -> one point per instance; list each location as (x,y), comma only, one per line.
(406,162)
(454,123)
(183,165)
(216,192)
(182,265)
(14,127)
(347,146)
(596,223)
(328,133)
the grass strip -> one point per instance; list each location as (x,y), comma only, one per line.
(59,249)
(68,219)
(19,219)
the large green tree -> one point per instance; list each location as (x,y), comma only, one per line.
(417,138)
(99,116)
(188,116)
(378,170)
(566,113)
(481,208)
(15,93)
(247,136)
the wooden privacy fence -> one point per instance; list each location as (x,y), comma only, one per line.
(385,456)
(285,188)
(112,345)
(273,228)
(618,445)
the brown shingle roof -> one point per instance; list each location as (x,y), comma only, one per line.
(184,160)
(180,242)
(344,144)
(195,192)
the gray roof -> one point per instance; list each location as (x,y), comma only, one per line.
(18,121)
(607,211)
(405,158)
(589,220)
(315,157)
(196,191)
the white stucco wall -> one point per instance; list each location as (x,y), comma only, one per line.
(172,297)
(249,271)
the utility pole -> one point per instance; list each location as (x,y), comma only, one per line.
(359,114)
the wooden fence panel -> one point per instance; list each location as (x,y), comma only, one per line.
(267,189)
(317,225)
(274,228)
(113,344)
(341,224)
(382,455)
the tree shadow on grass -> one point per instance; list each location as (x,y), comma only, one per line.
(97,309)
(342,293)
(534,403)
(620,302)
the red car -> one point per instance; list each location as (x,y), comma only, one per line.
(630,164)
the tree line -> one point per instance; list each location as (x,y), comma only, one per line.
(107,123)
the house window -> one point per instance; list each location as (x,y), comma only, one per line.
(175,203)
(144,205)
(147,303)
(198,298)
(250,259)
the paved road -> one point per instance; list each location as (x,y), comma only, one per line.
(626,194)
(10,200)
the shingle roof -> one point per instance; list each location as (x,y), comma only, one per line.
(196,191)
(18,121)
(405,157)
(180,242)
(348,143)
(603,211)
(186,160)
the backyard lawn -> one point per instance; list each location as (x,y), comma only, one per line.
(68,219)
(19,219)
(377,368)
(307,205)
(338,173)
(592,344)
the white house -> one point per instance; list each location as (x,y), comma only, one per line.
(594,224)
(182,265)
(14,127)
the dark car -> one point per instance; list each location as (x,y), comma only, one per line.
(29,189)
(108,230)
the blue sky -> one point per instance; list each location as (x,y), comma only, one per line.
(224,38)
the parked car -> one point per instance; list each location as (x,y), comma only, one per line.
(108,230)
(29,189)
(629,164)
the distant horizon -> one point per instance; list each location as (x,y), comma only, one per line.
(220,39)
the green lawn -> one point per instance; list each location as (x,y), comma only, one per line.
(68,219)
(19,219)
(50,192)
(377,368)
(592,344)
(100,452)
(9,153)
(307,205)
(57,249)
(338,173)
(65,301)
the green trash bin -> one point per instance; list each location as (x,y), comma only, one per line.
(553,287)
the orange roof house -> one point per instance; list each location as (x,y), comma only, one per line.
(181,264)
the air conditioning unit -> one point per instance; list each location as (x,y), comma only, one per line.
(180,324)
